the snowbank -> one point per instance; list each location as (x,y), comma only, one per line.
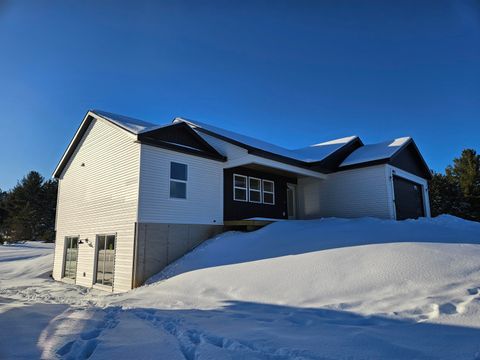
(318,289)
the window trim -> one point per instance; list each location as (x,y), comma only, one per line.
(178,181)
(241,188)
(268,192)
(64,265)
(95,268)
(259,191)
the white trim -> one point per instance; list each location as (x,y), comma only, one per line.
(259,191)
(65,248)
(178,181)
(95,267)
(241,188)
(293,188)
(268,192)
(414,178)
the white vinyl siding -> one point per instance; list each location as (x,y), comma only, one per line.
(349,194)
(225,148)
(204,202)
(99,197)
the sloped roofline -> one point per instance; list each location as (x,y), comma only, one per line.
(95,114)
(269,154)
(387,159)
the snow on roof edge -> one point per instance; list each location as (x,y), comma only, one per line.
(377,151)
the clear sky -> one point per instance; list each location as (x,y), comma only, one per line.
(289,72)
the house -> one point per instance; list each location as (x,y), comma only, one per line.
(134,196)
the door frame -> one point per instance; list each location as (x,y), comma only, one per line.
(95,264)
(64,262)
(293,188)
(421,192)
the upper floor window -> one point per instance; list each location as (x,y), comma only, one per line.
(239,187)
(255,190)
(268,192)
(178,180)
(252,189)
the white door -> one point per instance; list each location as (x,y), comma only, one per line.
(292,201)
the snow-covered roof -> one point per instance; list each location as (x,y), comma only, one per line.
(310,153)
(132,125)
(320,151)
(380,151)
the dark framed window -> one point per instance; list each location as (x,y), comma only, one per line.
(239,187)
(178,180)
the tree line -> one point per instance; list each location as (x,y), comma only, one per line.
(27,212)
(457,192)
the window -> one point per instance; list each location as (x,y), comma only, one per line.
(239,187)
(268,192)
(255,190)
(105,259)
(71,255)
(178,180)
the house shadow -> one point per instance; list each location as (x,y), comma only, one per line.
(246,330)
(285,238)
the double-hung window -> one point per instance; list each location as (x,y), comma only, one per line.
(268,192)
(178,180)
(239,187)
(255,190)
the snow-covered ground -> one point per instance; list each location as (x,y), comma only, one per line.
(319,289)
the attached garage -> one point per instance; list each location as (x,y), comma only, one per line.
(406,177)
(408,198)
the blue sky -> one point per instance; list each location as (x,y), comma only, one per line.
(292,73)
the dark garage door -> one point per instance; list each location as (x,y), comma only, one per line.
(408,199)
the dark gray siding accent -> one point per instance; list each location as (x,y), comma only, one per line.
(182,138)
(238,210)
(331,162)
(409,159)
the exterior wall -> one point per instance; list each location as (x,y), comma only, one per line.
(232,152)
(348,194)
(392,170)
(204,202)
(238,210)
(99,197)
(158,245)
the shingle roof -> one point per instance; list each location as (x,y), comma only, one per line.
(312,153)
(135,126)
(373,152)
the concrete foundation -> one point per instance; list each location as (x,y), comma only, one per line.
(157,245)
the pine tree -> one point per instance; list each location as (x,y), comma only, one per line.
(465,173)
(24,206)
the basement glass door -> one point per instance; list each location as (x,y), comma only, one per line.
(105,259)
(71,256)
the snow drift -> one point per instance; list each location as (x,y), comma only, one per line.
(317,289)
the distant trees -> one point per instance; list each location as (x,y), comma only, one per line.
(457,192)
(27,212)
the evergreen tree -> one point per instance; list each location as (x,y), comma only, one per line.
(465,173)
(3,213)
(31,209)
